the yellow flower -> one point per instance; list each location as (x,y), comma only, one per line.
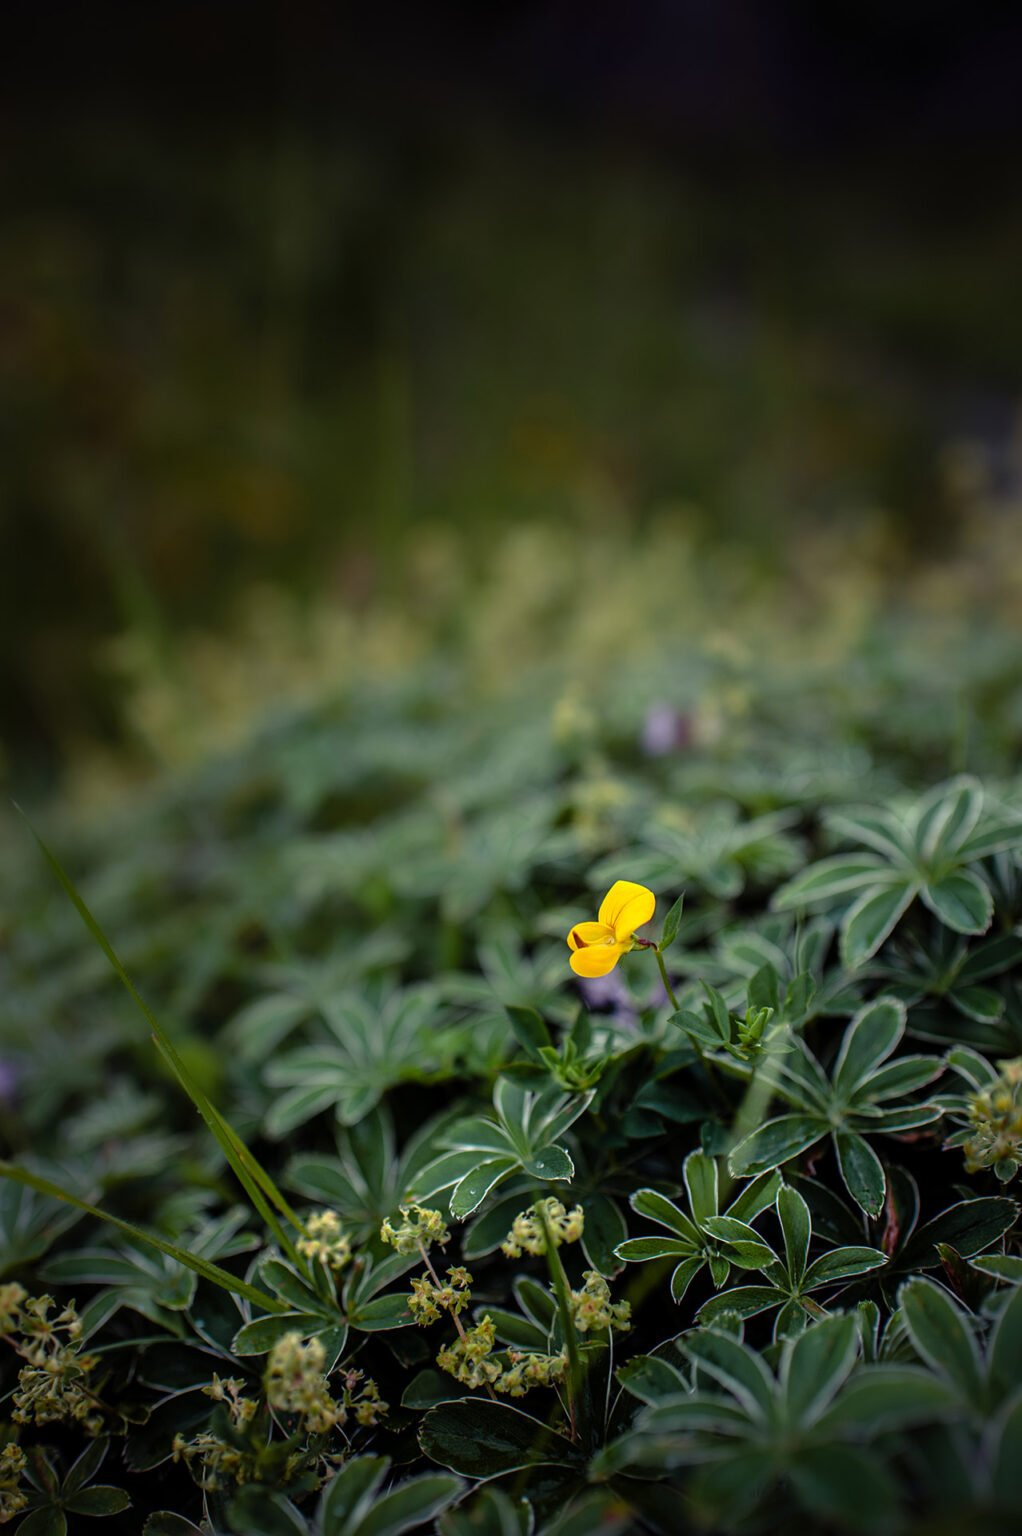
(597,947)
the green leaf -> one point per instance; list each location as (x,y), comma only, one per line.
(100,1499)
(699,1173)
(1006,1446)
(1002,1266)
(481,1439)
(734,1366)
(946,817)
(44,1522)
(982,1004)
(605,1227)
(745,1246)
(656,1207)
(381,1313)
(755,1197)
(845,1484)
(842,1264)
(221,1277)
(86,1467)
(881,1398)
(999,829)
(869,1039)
(970,1226)
(637,1250)
(283,1280)
(165,1523)
(896,1078)
(529,1030)
(649,1378)
(718,1015)
(723,1492)
(961,900)
(350,1494)
(825,881)
(550,1162)
(764,988)
(775,1143)
(876,827)
(259,1336)
(259,1512)
(470,1192)
(872,919)
(817,1366)
(672,922)
(743,1301)
(797,1229)
(1004,1359)
(489,1512)
(861,1171)
(942,1337)
(683,1276)
(407,1507)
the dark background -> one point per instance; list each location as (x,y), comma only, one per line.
(280,285)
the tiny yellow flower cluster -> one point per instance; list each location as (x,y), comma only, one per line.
(995,1114)
(527,1233)
(12,1499)
(294,1382)
(592,1310)
(214,1463)
(325,1240)
(428,1300)
(527,1371)
(51,1384)
(468,1358)
(418,1230)
(228,1390)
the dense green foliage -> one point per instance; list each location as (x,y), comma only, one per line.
(793,1290)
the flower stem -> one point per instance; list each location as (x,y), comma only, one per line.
(559,1280)
(665,978)
(455,1319)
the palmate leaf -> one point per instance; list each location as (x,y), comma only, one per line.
(790,1280)
(694,1242)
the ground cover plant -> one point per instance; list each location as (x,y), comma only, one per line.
(597,1109)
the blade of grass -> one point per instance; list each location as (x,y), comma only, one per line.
(231,1145)
(203,1267)
(246,1166)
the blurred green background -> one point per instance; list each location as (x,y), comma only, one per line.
(318,328)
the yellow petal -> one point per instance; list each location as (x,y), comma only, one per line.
(584,934)
(596,959)
(626,907)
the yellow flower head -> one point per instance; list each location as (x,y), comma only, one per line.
(597,947)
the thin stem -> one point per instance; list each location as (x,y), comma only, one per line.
(562,1292)
(665,978)
(455,1319)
